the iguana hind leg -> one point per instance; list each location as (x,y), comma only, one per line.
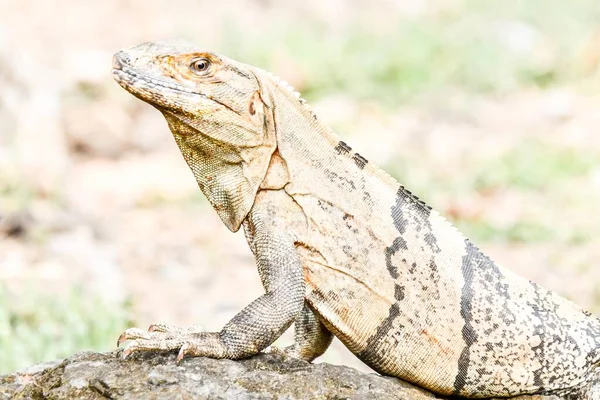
(311,337)
(253,328)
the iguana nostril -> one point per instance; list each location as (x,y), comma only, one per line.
(117,60)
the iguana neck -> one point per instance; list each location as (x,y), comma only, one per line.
(299,131)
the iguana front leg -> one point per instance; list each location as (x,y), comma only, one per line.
(258,324)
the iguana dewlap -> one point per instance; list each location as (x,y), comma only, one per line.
(342,248)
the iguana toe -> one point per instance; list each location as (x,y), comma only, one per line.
(132,334)
(163,337)
(162,327)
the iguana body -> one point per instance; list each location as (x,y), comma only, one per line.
(344,249)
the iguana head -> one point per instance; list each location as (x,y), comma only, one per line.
(219,115)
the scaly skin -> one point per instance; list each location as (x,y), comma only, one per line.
(344,249)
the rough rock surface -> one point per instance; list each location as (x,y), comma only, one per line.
(156,376)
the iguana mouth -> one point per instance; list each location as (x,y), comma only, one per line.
(131,77)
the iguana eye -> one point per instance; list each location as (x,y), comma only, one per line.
(200,65)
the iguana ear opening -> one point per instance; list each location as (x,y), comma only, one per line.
(263,95)
(256,109)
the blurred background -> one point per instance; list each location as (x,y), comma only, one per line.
(488,110)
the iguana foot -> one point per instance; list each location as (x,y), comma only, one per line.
(292,351)
(172,330)
(190,341)
(295,351)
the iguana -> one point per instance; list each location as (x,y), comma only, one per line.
(343,249)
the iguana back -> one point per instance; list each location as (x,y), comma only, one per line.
(344,249)
(408,294)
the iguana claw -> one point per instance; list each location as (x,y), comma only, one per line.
(182,352)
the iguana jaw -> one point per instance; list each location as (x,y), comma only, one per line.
(218,116)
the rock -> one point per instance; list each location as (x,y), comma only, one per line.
(15,224)
(266,376)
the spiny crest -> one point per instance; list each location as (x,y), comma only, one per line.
(286,86)
(384,174)
(283,84)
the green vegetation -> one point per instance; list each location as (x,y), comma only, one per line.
(36,327)
(479,46)
(534,165)
(520,232)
